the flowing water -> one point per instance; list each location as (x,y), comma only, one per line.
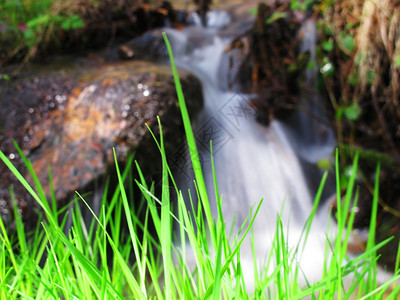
(252,162)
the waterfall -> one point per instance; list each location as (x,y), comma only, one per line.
(251,161)
(313,139)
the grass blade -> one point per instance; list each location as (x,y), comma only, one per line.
(194,156)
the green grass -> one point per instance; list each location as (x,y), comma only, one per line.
(28,25)
(102,260)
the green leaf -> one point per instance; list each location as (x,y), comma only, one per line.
(339,113)
(371,75)
(352,112)
(306,5)
(311,65)
(327,45)
(39,20)
(328,30)
(5,77)
(345,177)
(72,22)
(276,16)
(292,68)
(348,26)
(253,11)
(397,61)
(28,34)
(353,78)
(348,42)
(294,4)
(324,164)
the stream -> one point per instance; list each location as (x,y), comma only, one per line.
(252,161)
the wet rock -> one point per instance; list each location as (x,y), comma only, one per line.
(71,121)
(150,45)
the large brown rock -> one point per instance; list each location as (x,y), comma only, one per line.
(70,121)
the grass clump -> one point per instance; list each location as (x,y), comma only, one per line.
(30,29)
(100,259)
(27,26)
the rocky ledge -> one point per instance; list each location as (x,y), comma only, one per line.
(70,119)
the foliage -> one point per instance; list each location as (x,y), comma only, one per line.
(358,57)
(357,54)
(31,28)
(28,25)
(302,5)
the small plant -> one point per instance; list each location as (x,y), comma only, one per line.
(26,26)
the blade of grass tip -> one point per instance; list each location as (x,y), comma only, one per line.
(36,181)
(190,226)
(371,281)
(130,223)
(278,252)
(374,212)
(151,204)
(350,222)
(52,194)
(103,289)
(6,241)
(43,204)
(129,277)
(6,277)
(44,281)
(229,259)
(395,292)
(18,223)
(396,266)
(39,242)
(346,208)
(18,283)
(307,226)
(92,272)
(55,259)
(253,252)
(220,232)
(338,194)
(350,185)
(168,168)
(217,197)
(363,257)
(117,256)
(381,289)
(145,242)
(190,139)
(358,277)
(113,206)
(155,279)
(88,266)
(336,263)
(200,254)
(181,229)
(239,278)
(217,276)
(79,223)
(83,282)
(100,243)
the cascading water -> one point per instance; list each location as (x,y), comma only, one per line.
(251,161)
(312,139)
